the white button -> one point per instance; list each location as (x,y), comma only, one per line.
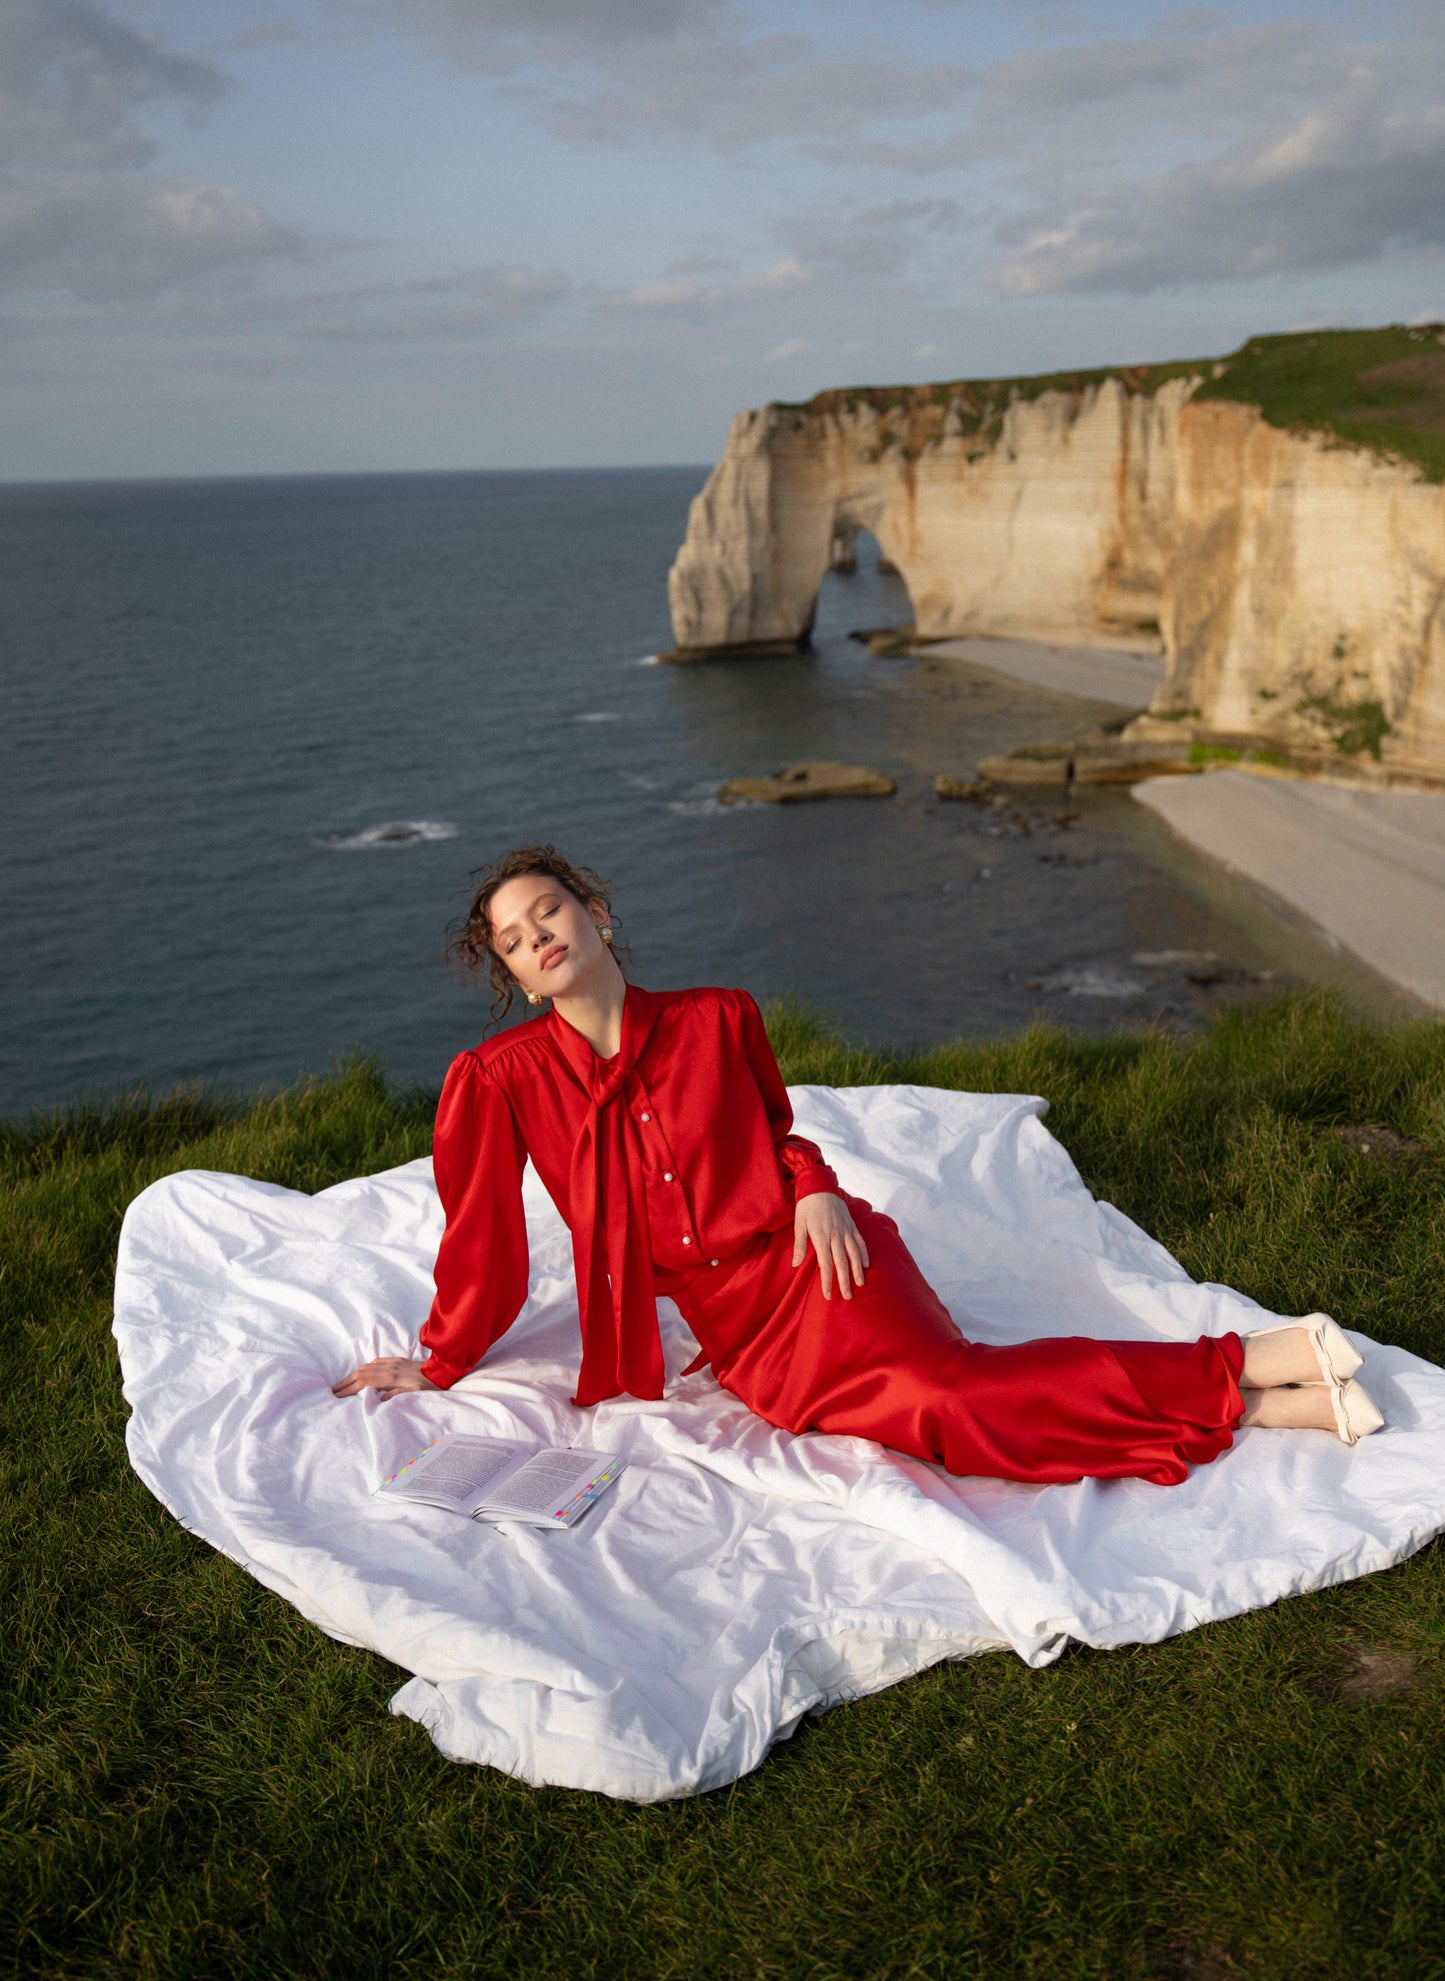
(687,1241)
(712,1262)
(667,1176)
(647,1117)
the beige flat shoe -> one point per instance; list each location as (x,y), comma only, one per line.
(1338,1358)
(1357,1414)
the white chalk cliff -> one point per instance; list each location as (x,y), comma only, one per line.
(1296,584)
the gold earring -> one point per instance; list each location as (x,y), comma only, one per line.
(534,997)
(606,932)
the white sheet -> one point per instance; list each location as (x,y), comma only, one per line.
(738,1577)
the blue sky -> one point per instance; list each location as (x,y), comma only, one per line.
(256,236)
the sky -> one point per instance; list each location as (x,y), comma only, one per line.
(298,236)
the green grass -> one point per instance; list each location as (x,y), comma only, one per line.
(1235,753)
(1302,381)
(196,1781)
(1311,381)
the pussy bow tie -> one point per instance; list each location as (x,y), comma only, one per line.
(611,1237)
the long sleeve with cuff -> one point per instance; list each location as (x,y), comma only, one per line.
(481,1268)
(801,1161)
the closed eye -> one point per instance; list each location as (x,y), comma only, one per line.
(547,913)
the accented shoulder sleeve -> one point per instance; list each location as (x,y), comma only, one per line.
(800,1160)
(481,1271)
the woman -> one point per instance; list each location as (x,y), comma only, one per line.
(661,1128)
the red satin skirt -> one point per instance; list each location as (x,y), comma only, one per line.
(890,1364)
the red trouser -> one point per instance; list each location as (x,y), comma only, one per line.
(890,1364)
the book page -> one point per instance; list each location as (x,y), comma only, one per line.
(456,1471)
(545,1482)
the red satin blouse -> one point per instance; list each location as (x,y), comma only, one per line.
(669,1157)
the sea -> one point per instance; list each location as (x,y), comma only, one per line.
(255,734)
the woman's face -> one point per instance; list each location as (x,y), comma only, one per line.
(547,938)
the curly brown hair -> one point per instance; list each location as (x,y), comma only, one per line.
(469,939)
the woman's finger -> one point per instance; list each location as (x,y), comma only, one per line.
(860,1241)
(825,1266)
(858,1249)
(843,1264)
(856,1259)
(369,1375)
(800,1240)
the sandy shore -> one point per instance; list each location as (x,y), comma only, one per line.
(1368,867)
(1096,674)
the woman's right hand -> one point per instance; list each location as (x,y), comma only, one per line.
(386,1374)
(825,1222)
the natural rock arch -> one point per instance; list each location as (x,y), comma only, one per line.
(1297,585)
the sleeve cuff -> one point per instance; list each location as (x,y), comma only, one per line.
(817,1180)
(440,1374)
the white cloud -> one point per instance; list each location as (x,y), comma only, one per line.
(1350,181)
(869,243)
(77,218)
(104,240)
(1053,109)
(789,274)
(72,79)
(485,303)
(688,69)
(1202,151)
(512,291)
(671,292)
(743,93)
(497,35)
(791,347)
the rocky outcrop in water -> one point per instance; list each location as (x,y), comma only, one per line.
(1295,582)
(818,779)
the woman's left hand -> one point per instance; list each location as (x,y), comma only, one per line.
(827,1224)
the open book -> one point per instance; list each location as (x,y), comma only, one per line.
(497,1479)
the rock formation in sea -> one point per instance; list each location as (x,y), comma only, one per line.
(821,778)
(1275,521)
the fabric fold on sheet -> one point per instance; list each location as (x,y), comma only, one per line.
(738,1577)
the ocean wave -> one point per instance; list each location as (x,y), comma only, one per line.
(1090,983)
(395,832)
(1174,959)
(598,715)
(707,805)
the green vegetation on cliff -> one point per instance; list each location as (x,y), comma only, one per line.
(1378,389)
(195,1781)
(1382,389)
